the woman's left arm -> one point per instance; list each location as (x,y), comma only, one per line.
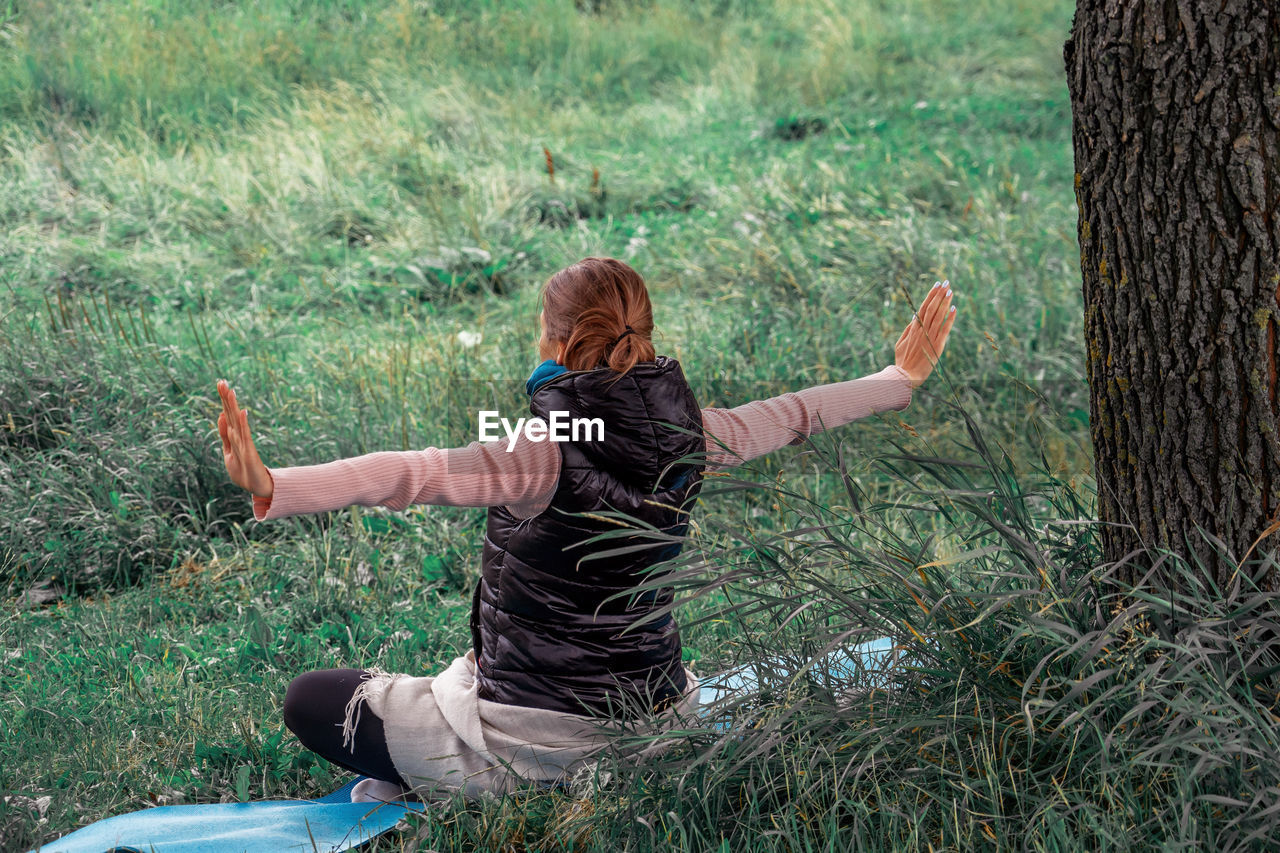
(522,476)
(480,474)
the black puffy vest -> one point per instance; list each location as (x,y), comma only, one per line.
(543,633)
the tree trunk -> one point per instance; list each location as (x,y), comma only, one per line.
(1176,131)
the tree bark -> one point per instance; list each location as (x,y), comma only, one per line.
(1176,132)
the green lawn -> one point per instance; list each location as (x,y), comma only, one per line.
(326,201)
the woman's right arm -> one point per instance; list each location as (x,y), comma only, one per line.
(743,433)
(740,434)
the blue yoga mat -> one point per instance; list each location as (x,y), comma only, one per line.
(331,823)
(334,823)
(870,663)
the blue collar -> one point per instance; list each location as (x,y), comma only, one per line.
(542,374)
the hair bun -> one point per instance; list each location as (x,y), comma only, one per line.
(590,307)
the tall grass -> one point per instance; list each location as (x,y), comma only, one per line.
(1035,701)
(113,465)
(184,71)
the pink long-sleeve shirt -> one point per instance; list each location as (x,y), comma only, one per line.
(483,474)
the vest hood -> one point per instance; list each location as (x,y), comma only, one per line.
(646,413)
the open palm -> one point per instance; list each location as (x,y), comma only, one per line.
(924,338)
(238,453)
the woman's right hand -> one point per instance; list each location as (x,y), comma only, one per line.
(238,452)
(922,342)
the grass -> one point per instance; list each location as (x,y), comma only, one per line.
(316,200)
(1040,704)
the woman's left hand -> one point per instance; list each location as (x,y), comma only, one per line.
(922,342)
(238,452)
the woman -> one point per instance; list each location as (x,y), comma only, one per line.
(556,656)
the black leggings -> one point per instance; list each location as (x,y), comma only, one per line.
(314,707)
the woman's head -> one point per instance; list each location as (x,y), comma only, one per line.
(587,306)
